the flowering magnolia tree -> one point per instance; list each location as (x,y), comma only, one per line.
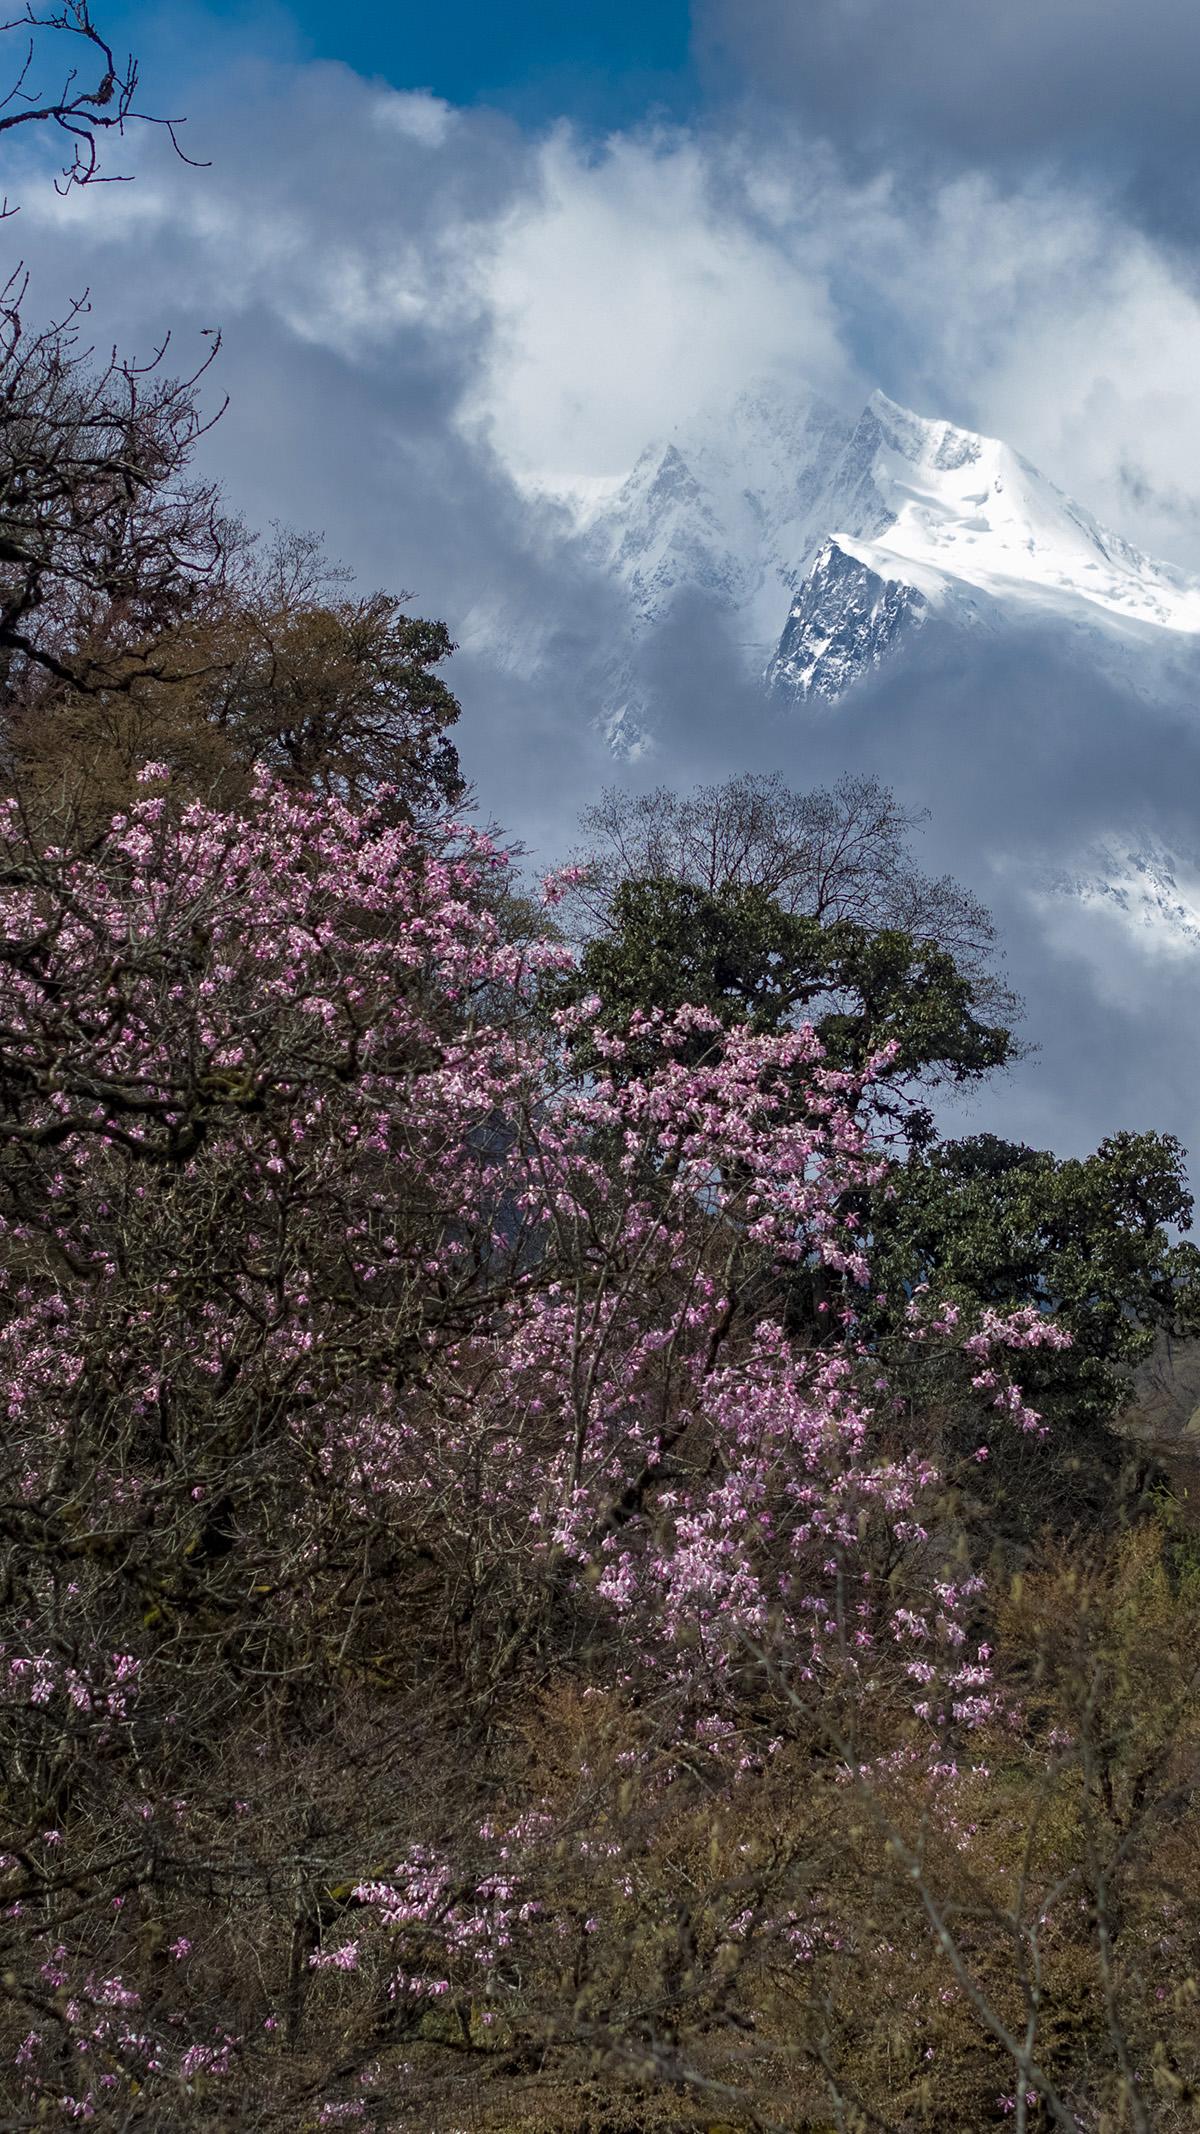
(451,1633)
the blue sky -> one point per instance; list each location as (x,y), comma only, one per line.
(602,59)
(602,63)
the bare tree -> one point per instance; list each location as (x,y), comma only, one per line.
(104,542)
(834,853)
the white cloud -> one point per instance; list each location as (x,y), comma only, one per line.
(983,81)
(416,113)
(631,287)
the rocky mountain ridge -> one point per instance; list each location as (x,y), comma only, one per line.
(829,541)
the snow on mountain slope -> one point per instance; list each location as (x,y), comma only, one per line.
(849,535)
(976,535)
(967,510)
(1147,893)
(731,506)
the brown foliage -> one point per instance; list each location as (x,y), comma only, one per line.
(273,663)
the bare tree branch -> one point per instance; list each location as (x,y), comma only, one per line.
(83,107)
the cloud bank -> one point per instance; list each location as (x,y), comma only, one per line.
(1082,77)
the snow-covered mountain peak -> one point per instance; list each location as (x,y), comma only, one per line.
(1135,887)
(967,511)
(825,541)
(740,505)
(830,544)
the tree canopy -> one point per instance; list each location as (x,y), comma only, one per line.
(741,955)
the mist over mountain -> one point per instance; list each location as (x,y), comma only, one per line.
(829,541)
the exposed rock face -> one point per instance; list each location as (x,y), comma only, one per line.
(844,621)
